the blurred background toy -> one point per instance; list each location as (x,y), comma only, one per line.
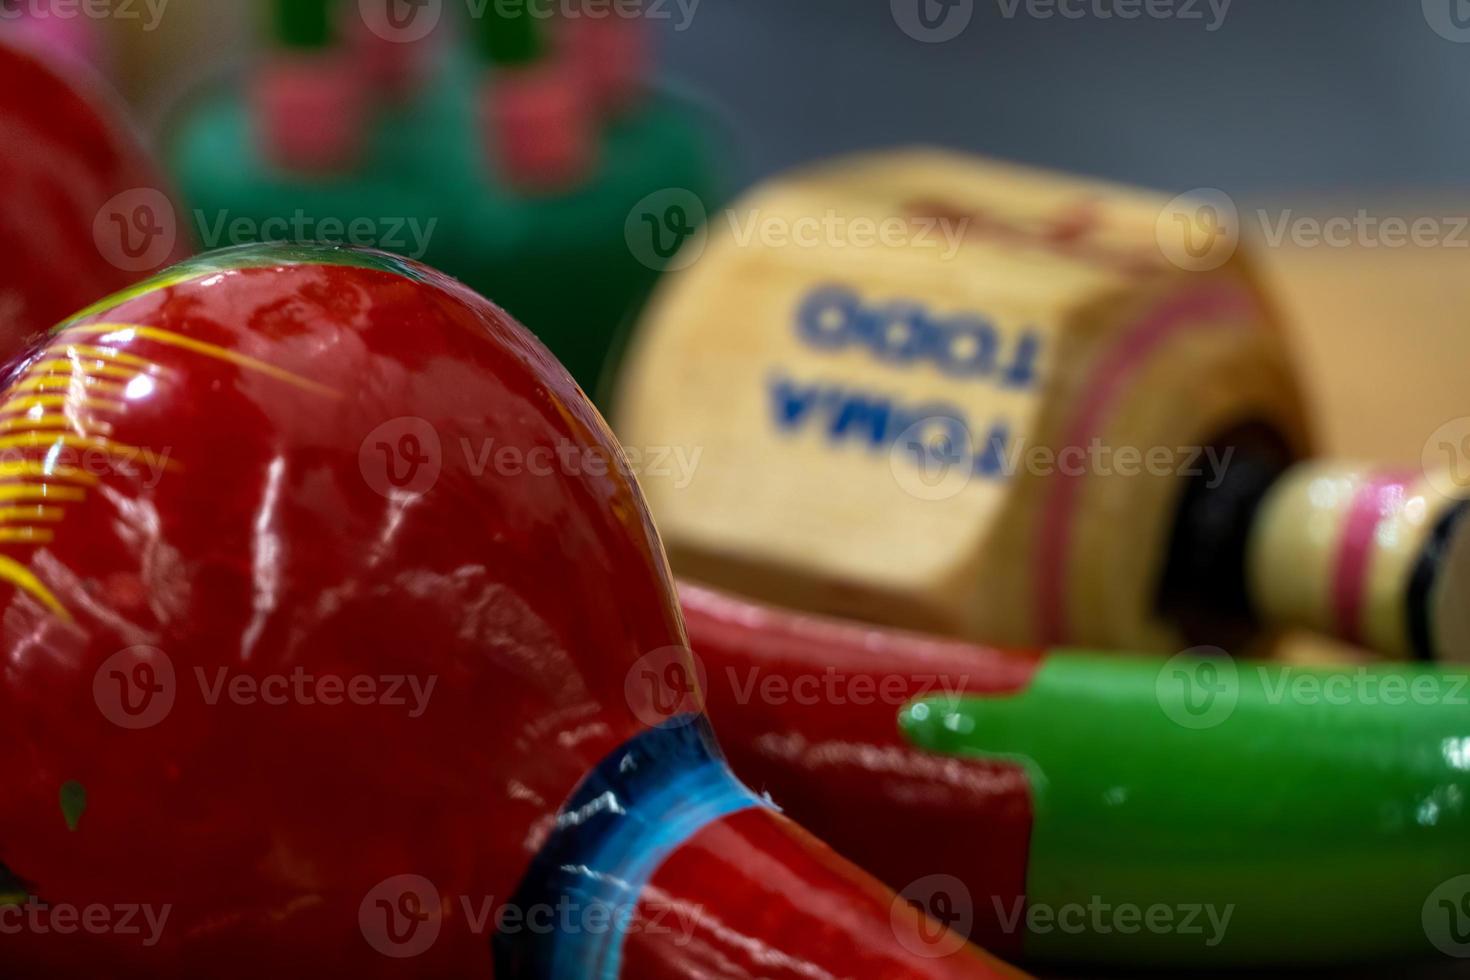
(1033,411)
(86,211)
(506,149)
(62,30)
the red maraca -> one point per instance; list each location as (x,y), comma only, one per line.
(85,212)
(337,639)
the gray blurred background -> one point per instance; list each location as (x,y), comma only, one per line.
(1275,95)
(1321,108)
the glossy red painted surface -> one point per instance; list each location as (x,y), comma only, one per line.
(66,154)
(806,709)
(814,910)
(330,500)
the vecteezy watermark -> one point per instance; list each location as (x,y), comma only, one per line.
(401,458)
(401,21)
(1198,688)
(669,230)
(932,21)
(937,457)
(1450,19)
(407,691)
(932,917)
(1099,917)
(1201,688)
(1446,458)
(833,687)
(149,12)
(666,686)
(136,230)
(1200,230)
(1364,229)
(135,688)
(1446,917)
(680,12)
(404,457)
(143,923)
(1203,229)
(140,465)
(403,917)
(138,688)
(1209,13)
(404,235)
(410,21)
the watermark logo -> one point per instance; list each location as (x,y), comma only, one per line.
(1210,13)
(149,12)
(136,230)
(681,12)
(410,692)
(1446,458)
(402,458)
(933,21)
(1364,229)
(1447,917)
(946,915)
(667,230)
(135,688)
(666,684)
(1099,917)
(933,459)
(1198,688)
(142,923)
(405,235)
(1199,231)
(1450,19)
(833,687)
(401,21)
(402,916)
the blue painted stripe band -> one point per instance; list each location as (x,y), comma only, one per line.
(641,804)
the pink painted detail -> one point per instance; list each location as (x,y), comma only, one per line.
(76,38)
(538,126)
(1201,309)
(614,57)
(311,112)
(1378,498)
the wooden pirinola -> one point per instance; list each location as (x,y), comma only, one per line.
(983,401)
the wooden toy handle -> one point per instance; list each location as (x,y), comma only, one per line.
(772,901)
(1377,557)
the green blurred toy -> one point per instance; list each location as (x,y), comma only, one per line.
(511,154)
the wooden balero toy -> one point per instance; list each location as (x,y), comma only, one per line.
(1030,410)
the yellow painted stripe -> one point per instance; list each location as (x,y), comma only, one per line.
(40,491)
(28,402)
(62,382)
(26,535)
(208,350)
(102,354)
(96,368)
(46,440)
(27,423)
(33,513)
(19,576)
(41,470)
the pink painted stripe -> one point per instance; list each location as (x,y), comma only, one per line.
(1379,497)
(1201,309)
